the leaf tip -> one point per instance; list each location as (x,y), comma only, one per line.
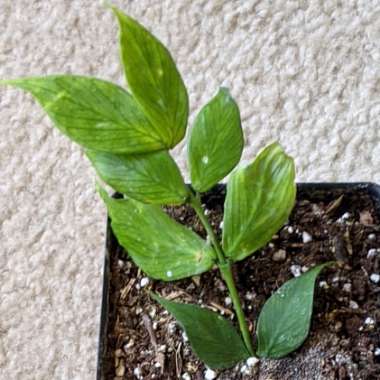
(22,82)
(119,14)
(277,147)
(224,90)
(9,82)
(106,4)
(328,264)
(157,298)
(113,8)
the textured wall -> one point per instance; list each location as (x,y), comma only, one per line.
(304,72)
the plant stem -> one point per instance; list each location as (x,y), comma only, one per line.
(197,206)
(225,269)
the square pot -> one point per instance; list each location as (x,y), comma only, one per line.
(304,191)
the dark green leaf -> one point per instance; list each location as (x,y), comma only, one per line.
(284,321)
(161,247)
(213,338)
(153,79)
(94,113)
(259,200)
(216,141)
(150,178)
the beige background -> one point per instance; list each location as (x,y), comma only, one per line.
(304,72)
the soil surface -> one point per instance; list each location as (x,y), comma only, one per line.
(144,342)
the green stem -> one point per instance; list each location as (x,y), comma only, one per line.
(197,206)
(226,271)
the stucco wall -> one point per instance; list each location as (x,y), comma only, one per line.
(306,73)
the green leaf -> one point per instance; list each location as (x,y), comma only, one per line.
(284,321)
(153,79)
(216,141)
(259,200)
(150,178)
(213,338)
(161,247)
(94,113)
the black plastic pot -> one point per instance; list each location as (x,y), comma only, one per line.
(303,190)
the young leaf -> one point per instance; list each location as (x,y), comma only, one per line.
(259,200)
(153,79)
(284,321)
(161,247)
(94,113)
(213,338)
(150,178)
(216,141)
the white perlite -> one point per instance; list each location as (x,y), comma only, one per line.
(323,284)
(249,296)
(306,237)
(161,348)
(172,327)
(375,278)
(373,252)
(347,287)
(137,372)
(152,312)
(290,229)
(354,305)
(247,367)
(295,270)
(128,345)
(209,374)
(344,217)
(227,301)
(369,321)
(252,361)
(144,282)
(186,376)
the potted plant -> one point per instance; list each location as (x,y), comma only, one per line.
(184,252)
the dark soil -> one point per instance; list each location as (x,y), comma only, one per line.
(144,342)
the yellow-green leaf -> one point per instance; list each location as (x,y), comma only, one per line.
(149,178)
(259,200)
(216,141)
(153,79)
(213,338)
(94,113)
(161,247)
(284,321)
